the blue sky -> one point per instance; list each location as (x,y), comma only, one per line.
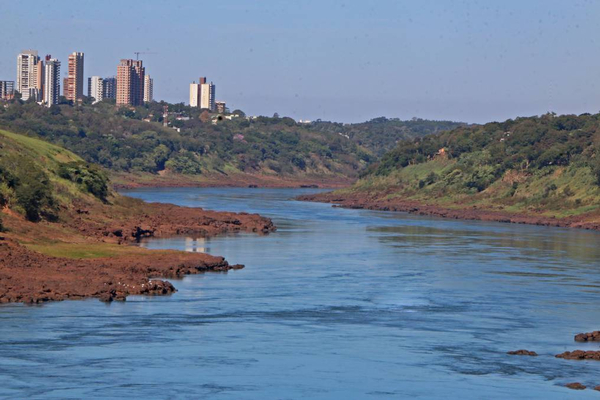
(473,61)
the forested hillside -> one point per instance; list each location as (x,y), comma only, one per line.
(380,135)
(548,165)
(196,143)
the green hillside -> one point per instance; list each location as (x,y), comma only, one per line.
(197,143)
(381,135)
(38,179)
(548,165)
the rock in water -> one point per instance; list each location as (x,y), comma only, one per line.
(522,353)
(580,355)
(575,386)
(588,337)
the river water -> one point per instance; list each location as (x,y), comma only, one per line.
(337,304)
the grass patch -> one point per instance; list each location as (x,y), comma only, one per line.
(86,250)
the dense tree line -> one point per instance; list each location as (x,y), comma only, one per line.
(124,139)
(485,152)
(382,134)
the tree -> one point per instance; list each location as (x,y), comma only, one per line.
(205,116)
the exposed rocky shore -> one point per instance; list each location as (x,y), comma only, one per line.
(29,276)
(366,201)
(157,219)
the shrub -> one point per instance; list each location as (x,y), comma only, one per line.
(34,195)
(89,176)
(29,185)
(184,163)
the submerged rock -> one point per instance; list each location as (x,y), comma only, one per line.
(575,386)
(522,353)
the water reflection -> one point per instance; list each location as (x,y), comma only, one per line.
(581,246)
(188,243)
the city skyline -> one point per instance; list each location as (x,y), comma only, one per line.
(483,62)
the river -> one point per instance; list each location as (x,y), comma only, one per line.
(337,304)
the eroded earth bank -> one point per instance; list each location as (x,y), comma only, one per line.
(90,255)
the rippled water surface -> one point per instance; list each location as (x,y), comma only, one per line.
(336,304)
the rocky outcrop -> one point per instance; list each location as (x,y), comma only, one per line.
(588,337)
(30,277)
(156,220)
(580,355)
(522,353)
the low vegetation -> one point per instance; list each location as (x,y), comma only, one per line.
(36,178)
(548,164)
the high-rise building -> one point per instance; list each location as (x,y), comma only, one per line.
(52,82)
(221,107)
(28,63)
(38,91)
(73,89)
(65,85)
(207,96)
(148,89)
(96,88)
(109,86)
(194,94)
(130,83)
(7,90)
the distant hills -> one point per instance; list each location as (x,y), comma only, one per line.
(134,142)
(546,166)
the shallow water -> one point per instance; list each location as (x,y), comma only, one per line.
(336,304)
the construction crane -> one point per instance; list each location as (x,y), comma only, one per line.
(137,53)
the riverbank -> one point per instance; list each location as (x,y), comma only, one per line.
(64,234)
(89,254)
(165,179)
(366,201)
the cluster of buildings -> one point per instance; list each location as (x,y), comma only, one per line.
(202,95)
(39,79)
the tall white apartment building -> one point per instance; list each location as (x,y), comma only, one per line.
(28,64)
(96,88)
(207,96)
(148,89)
(194,94)
(52,82)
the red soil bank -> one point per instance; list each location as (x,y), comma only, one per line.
(364,201)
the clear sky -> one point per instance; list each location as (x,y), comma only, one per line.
(473,61)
